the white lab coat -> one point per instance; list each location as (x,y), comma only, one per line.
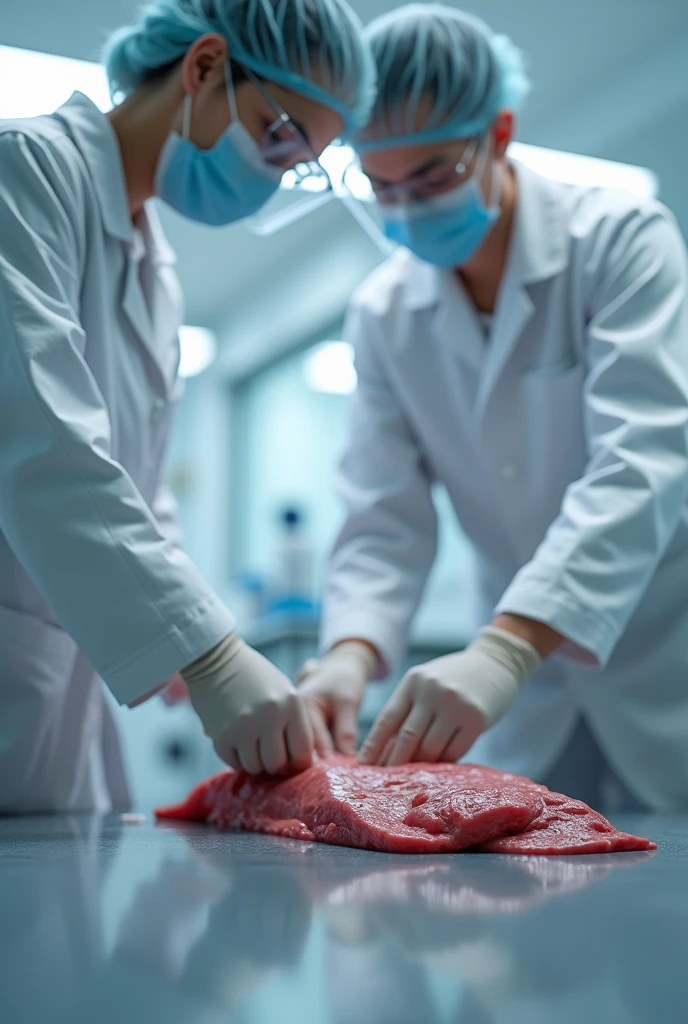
(92,579)
(563,444)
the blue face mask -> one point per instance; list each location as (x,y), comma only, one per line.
(215,186)
(449,230)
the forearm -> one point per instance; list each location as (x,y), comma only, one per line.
(542,637)
(370,650)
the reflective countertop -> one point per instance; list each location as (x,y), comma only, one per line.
(103,922)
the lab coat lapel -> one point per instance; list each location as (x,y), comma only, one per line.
(138,316)
(456,320)
(146,313)
(134,304)
(513,312)
(166,298)
(454,323)
(95,137)
(538,252)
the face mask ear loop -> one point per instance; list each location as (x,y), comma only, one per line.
(186,117)
(231,94)
(495,177)
(496,184)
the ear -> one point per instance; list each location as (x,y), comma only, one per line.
(204,63)
(502,132)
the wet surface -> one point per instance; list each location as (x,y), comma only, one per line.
(104,921)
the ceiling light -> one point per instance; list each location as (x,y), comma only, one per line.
(574,169)
(33,83)
(329,368)
(198,350)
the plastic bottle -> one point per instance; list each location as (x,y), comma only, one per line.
(293,590)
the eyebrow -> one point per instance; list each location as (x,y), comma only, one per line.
(430,165)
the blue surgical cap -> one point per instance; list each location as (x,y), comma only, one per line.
(435,55)
(313,47)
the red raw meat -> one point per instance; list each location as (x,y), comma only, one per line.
(567,826)
(415,808)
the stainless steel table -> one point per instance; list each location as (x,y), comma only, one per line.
(102,922)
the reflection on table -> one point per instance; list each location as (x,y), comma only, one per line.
(187,924)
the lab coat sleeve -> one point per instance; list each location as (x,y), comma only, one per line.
(132,601)
(387,545)
(616,522)
(166,514)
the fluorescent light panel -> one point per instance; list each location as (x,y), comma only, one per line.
(34,83)
(574,169)
(329,368)
(198,350)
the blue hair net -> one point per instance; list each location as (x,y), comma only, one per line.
(313,47)
(429,53)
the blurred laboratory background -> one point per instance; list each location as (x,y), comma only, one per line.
(263,421)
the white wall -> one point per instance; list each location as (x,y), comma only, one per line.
(198,471)
(289,440)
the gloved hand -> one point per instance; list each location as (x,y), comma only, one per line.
(440,709)
(251,711)
(332,690)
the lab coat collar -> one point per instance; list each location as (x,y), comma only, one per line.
(538,243)
(161,252)
(95,139)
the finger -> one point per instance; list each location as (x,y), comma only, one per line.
(321,734)
(249,758)
(389,720)
(411,735)
(387,751)
(226,751)
(473,725)
(299,732)
(233,759)
(346,727)
(457,747)
(272,749)
(436,739)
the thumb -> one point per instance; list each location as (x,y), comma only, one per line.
(346,727)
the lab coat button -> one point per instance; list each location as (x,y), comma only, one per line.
(509,471)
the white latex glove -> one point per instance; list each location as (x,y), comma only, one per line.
(250,710)
(440,709)
(332,690)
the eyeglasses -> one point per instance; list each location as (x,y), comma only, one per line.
(284,145)
(434,183)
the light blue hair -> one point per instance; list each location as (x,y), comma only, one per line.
(430,53)
(290,42)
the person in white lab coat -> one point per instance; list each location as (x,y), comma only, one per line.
(219,97)
(527,347)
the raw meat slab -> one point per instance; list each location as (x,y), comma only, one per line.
(416,808)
